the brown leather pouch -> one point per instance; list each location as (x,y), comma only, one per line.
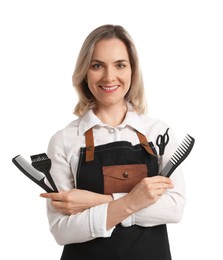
(122,178)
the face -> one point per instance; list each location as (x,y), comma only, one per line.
(109,74)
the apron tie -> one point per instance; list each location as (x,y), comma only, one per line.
(89,145)
(144,143)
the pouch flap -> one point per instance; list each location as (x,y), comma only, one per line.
(122,178)
(125,172)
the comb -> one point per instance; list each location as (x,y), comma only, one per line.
(42,163)
(179,156)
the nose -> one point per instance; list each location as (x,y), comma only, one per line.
(109,75)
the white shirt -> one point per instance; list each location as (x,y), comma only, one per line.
(63,150)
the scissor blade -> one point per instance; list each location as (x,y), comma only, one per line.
(160,164)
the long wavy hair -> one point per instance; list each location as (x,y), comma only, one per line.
(135,95)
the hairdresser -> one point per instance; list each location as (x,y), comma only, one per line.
(112,203)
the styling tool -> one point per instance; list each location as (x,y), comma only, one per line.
(179,156)
(38,177)
(42,163)
(162,141)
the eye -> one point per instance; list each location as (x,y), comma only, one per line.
(96,66)
(121,65)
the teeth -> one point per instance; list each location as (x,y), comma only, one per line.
(109,88)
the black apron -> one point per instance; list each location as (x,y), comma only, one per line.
(125,243)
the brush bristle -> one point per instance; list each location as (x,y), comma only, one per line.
(39,157)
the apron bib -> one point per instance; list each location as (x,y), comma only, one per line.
(117,167)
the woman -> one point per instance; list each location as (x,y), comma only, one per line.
(112,203)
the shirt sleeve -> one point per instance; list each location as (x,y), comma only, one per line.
(168,209)
(76,228)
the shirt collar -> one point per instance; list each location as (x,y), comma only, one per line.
(132,119)
(88,121)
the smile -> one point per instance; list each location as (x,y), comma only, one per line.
(109,88)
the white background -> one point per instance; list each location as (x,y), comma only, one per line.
(180,49)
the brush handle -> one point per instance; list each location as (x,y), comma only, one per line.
(51,181)
(42,184)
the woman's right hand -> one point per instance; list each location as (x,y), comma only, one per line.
(147,192)
(76,200)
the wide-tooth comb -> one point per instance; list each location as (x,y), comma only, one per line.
(42,163)
(179,156)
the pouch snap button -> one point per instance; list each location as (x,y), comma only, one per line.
(125,174)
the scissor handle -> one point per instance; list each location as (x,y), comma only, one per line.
(160,144)
(159,140)
(162,141)
(166,137)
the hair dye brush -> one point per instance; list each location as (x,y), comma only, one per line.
(42,163)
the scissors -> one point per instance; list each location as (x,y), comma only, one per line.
(162,141)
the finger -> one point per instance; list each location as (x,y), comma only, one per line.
(62,207)
(160,192)
(58,204)
(53,196)
(159,179)
(161,186)
(163,179)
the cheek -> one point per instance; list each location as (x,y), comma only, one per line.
(127,77)
(92,78)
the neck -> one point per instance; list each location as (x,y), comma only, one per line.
(112,115)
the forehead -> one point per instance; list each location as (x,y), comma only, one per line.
(113,49)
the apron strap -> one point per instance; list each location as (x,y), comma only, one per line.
(90,144)
(144,143)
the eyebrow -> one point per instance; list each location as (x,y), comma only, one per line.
(117,61)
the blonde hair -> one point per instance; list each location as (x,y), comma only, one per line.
(135,95)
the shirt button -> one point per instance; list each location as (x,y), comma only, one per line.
(111,130)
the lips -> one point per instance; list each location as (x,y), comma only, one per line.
(109,88)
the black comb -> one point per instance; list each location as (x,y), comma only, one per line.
(179,156)
(42,163)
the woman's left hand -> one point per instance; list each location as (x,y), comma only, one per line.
(74,201)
